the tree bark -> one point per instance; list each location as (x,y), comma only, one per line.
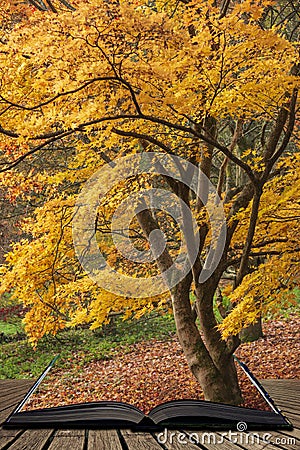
(209,359)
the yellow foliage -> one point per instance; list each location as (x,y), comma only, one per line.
(100,78)
(276,242)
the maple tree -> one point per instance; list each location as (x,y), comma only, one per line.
(165,364)
(218,89)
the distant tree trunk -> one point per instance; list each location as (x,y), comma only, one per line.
(252,332)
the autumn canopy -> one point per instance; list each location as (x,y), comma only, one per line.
(211,83)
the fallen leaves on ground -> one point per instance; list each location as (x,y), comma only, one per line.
(156,371)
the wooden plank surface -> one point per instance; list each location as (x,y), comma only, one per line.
(68,440)
(8,437)
(31,440)
(11,393)
(286,394)
(11,384)
(293,433)
(103,440)
(140,441)
(282,385)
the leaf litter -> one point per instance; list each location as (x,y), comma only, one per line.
(156,371)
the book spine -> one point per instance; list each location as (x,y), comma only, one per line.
(33,388)
(259,387)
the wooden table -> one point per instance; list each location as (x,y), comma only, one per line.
(285,393)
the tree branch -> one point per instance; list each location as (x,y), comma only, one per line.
(144,137)
(149,224)
(249,239)
(236,135)
(290,127)
(74,91)
(147,118)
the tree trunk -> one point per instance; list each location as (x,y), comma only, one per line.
(220,385)
(210,359)
(210,362)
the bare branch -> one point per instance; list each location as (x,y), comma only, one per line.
(74,91)
(236,135)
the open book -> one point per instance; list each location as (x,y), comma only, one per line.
(191,414)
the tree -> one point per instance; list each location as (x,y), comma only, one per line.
(120,78)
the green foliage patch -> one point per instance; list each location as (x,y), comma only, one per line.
(19,360)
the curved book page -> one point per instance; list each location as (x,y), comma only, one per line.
(201,413)
(196,414)
(103,414)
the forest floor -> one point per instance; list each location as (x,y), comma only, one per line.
(153,371)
